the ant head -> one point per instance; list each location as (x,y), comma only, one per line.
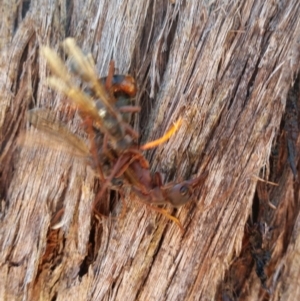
(181,193)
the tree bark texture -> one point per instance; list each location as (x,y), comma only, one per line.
(230,70)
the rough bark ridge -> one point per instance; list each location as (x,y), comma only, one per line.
(226,69)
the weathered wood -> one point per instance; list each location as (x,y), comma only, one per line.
(226,69)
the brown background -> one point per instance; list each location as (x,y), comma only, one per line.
(229,69)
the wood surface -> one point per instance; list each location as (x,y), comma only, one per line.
(230,70)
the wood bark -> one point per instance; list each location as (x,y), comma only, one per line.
(229,69)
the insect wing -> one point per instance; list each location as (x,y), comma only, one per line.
(52,134)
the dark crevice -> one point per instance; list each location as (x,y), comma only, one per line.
(53,254)
(69,9)
(267,224)
(20,13)
(25,7)
(255,209)
(54,298)
(90,257)
(252,80)
(231,287)
(237,85)
(291,126)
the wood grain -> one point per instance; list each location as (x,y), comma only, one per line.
(226,68)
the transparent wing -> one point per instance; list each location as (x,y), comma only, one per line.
(52,134)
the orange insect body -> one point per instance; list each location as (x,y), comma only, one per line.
(105,106)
